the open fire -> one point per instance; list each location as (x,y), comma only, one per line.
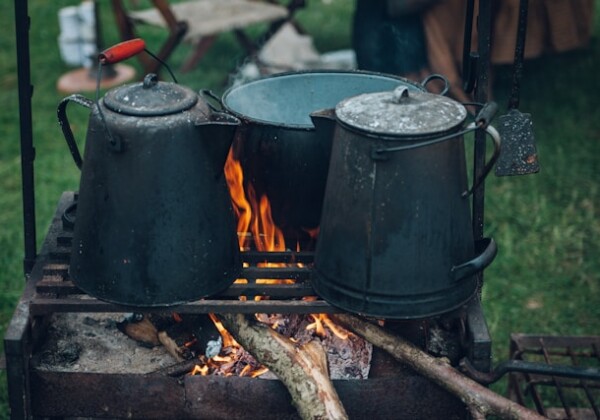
(99,355)
(257,231)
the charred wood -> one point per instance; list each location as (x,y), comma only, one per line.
(140,329)
(303,369)
(480,400)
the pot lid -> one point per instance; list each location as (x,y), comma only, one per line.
(401,113)
(150,98)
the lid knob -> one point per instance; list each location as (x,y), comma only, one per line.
(399,94)
(150,80)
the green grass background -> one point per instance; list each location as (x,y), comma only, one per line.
(546,277)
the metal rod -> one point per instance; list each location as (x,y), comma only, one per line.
(534,368)
(484,34)
(45,306)
(484,25)
(557,384)
(26,133)
(584,385)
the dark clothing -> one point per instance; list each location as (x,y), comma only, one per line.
(388,45)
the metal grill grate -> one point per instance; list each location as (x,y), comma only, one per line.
(55,292)
(554,397)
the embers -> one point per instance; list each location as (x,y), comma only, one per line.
(201,345)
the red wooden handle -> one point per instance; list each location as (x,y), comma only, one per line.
(122,51)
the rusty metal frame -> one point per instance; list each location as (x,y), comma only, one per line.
(572,397)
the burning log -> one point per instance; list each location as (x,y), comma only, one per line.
(140,329)
(303,369)
(171,346)
(480,400)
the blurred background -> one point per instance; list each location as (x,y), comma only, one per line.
(546,277)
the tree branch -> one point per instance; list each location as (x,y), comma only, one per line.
(303,369)
(478,398)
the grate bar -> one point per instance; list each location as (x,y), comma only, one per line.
(281,279)
(54,285)
(557,383)
(582,393)
(550,382)
(584,384)
(44,306)
(287,257)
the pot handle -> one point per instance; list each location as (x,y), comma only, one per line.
(435,76)
(487,250)
(66,128)
(482,122)
(490,164)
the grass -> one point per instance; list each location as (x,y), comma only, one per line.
(546,277)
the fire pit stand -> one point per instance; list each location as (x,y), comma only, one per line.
(35,392)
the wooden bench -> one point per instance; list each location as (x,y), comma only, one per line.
(200,22)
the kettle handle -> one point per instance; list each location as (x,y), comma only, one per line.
(436,76)
(122,51)
(482,122)
(66,128)
(490,163)
(487,250)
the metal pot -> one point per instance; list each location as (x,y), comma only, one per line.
(395,237)
(281,153)
(154,224)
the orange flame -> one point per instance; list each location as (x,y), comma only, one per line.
(319,328)
(255,219)
(235,181)
(246,370)
(228,340)
(258,372)
(200,370)
(255,226)
(272,237)
(190,343)
(317,325)
(254,216)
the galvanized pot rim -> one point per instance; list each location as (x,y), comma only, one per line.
(306,74)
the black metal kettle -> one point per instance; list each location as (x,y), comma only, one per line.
(154,224)
(395,237)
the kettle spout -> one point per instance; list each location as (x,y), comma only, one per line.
(218,133)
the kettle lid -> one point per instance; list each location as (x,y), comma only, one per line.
(401,113)
(150,98)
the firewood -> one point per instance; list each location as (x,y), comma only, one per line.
(176,370)
(480,400)
(303,370)
(140,330)
(171,346)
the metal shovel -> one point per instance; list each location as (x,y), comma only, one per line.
(519,153)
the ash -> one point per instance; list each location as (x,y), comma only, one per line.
(94,343)
(348,358)
(91,342)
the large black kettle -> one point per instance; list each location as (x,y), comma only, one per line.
(154,224)
(395,238)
